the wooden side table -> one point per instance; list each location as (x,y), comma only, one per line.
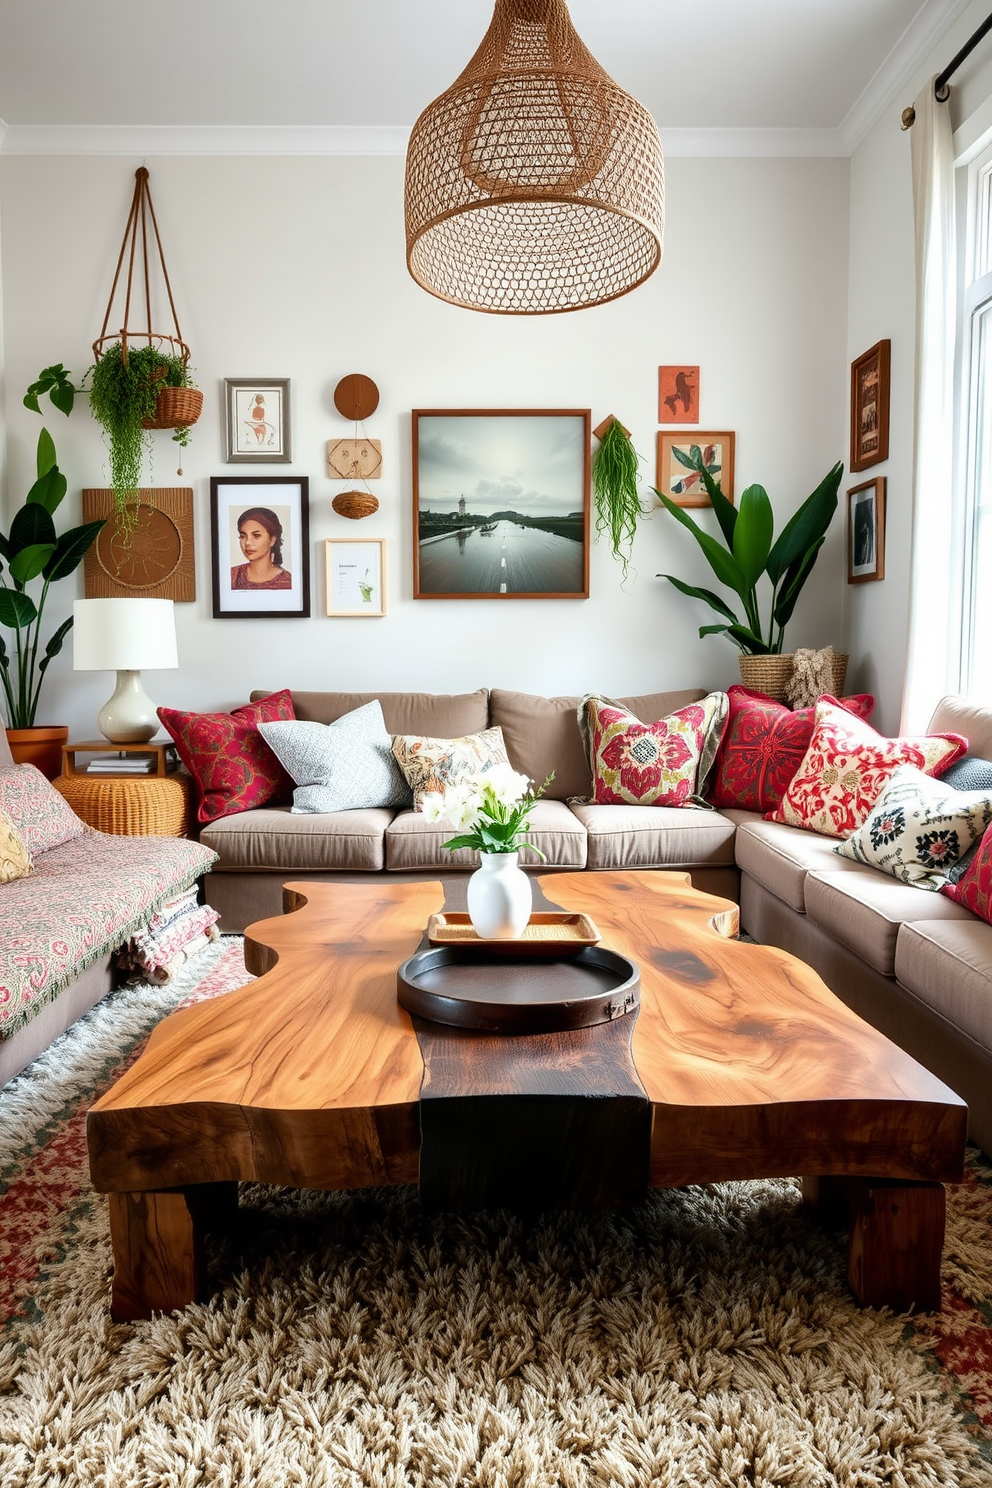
(126,805)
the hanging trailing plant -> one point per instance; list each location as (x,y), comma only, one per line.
(123,395)
(614,478)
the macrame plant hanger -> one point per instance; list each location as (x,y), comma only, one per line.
(175,407)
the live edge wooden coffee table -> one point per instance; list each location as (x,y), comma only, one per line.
(739,1064)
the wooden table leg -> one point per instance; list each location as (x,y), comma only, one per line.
(158,1246)
(895,1237)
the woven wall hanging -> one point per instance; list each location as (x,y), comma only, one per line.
(534,184)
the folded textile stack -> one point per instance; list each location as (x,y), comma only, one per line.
(180,929)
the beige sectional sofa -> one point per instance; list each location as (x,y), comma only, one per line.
(258,850)
(913,963)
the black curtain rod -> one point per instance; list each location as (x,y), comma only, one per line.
(940,89)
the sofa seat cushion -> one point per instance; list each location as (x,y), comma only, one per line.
(865,910)
(947,964)
(779,857)
(656,836)
(413,842)
(275,838)
(542,733)
(84,898)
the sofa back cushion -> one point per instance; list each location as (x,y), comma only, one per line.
(541,734)
(442,715)
(41,818)
(958,715)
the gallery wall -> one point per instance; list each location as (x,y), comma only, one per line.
(294,267)
(883,304)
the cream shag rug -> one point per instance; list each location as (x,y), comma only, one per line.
(705,1337)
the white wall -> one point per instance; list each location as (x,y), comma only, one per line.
(294,267)
(882,303)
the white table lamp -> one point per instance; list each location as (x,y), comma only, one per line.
(126,636)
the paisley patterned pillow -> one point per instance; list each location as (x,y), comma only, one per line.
(234,768)
(763,748)
(39,815)
(434,764)
(650,764)
(848,765)
(15,860)
(919,828)
(974,889)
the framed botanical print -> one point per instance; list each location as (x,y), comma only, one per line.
(258,427)
(870,407)
(866,532)
(260,546)
(678,455)
(501,503)
(356,576)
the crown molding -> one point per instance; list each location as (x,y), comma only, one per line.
(922,34)
(195,139)
(192,139)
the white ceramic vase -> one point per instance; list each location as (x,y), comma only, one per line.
(499,897)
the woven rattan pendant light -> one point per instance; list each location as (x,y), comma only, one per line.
(534,184)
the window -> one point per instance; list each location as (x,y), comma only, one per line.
(973,536)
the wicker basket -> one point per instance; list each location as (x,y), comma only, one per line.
(153,806)
(176,407)
(355,504)
(771,674)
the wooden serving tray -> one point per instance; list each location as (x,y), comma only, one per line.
(547,933)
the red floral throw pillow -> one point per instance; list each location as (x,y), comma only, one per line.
(974,888)
(846,768)
(232,765)
(650,764)
(763,748)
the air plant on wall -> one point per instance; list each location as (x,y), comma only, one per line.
(614,479)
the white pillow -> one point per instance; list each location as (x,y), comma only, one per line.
(919,828)
(342,766)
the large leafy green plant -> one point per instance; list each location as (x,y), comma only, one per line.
(751,552)
(34,554)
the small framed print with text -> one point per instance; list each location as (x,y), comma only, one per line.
(356,576)
(258,428)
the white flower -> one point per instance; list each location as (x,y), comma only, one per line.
(506,784)
(432,806)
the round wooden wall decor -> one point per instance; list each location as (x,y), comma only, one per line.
(356,397)
(153,558)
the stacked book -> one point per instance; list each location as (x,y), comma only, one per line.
(128,764)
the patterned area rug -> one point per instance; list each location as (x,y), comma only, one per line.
(705,1337)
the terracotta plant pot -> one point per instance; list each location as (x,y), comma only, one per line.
(41,746)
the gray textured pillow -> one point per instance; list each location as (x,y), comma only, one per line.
(340,766)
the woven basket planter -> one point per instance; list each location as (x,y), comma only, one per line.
(771,674)
(175,408)
(355,504)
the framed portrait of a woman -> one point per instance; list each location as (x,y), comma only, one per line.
(260,546)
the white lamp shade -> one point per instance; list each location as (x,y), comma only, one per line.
(124,635)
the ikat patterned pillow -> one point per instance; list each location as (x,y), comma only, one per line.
(41,818)
(651,764)
(435,764)
(342,766)
(234,768)
(848,765)
(15,860)
(919,828)
(763,748)
(974,889)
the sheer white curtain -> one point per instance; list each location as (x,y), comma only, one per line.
(929,665)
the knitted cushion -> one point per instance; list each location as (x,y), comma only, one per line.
(38,813)
(234,768)
(650,764)
(763,748)
(435,764)
(919,828)
(341,766)
(847,766)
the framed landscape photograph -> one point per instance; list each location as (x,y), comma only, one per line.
(870,407)
(258,427)
(677,479)
(501,503)
(866,532)
(260,547)
(356,576)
